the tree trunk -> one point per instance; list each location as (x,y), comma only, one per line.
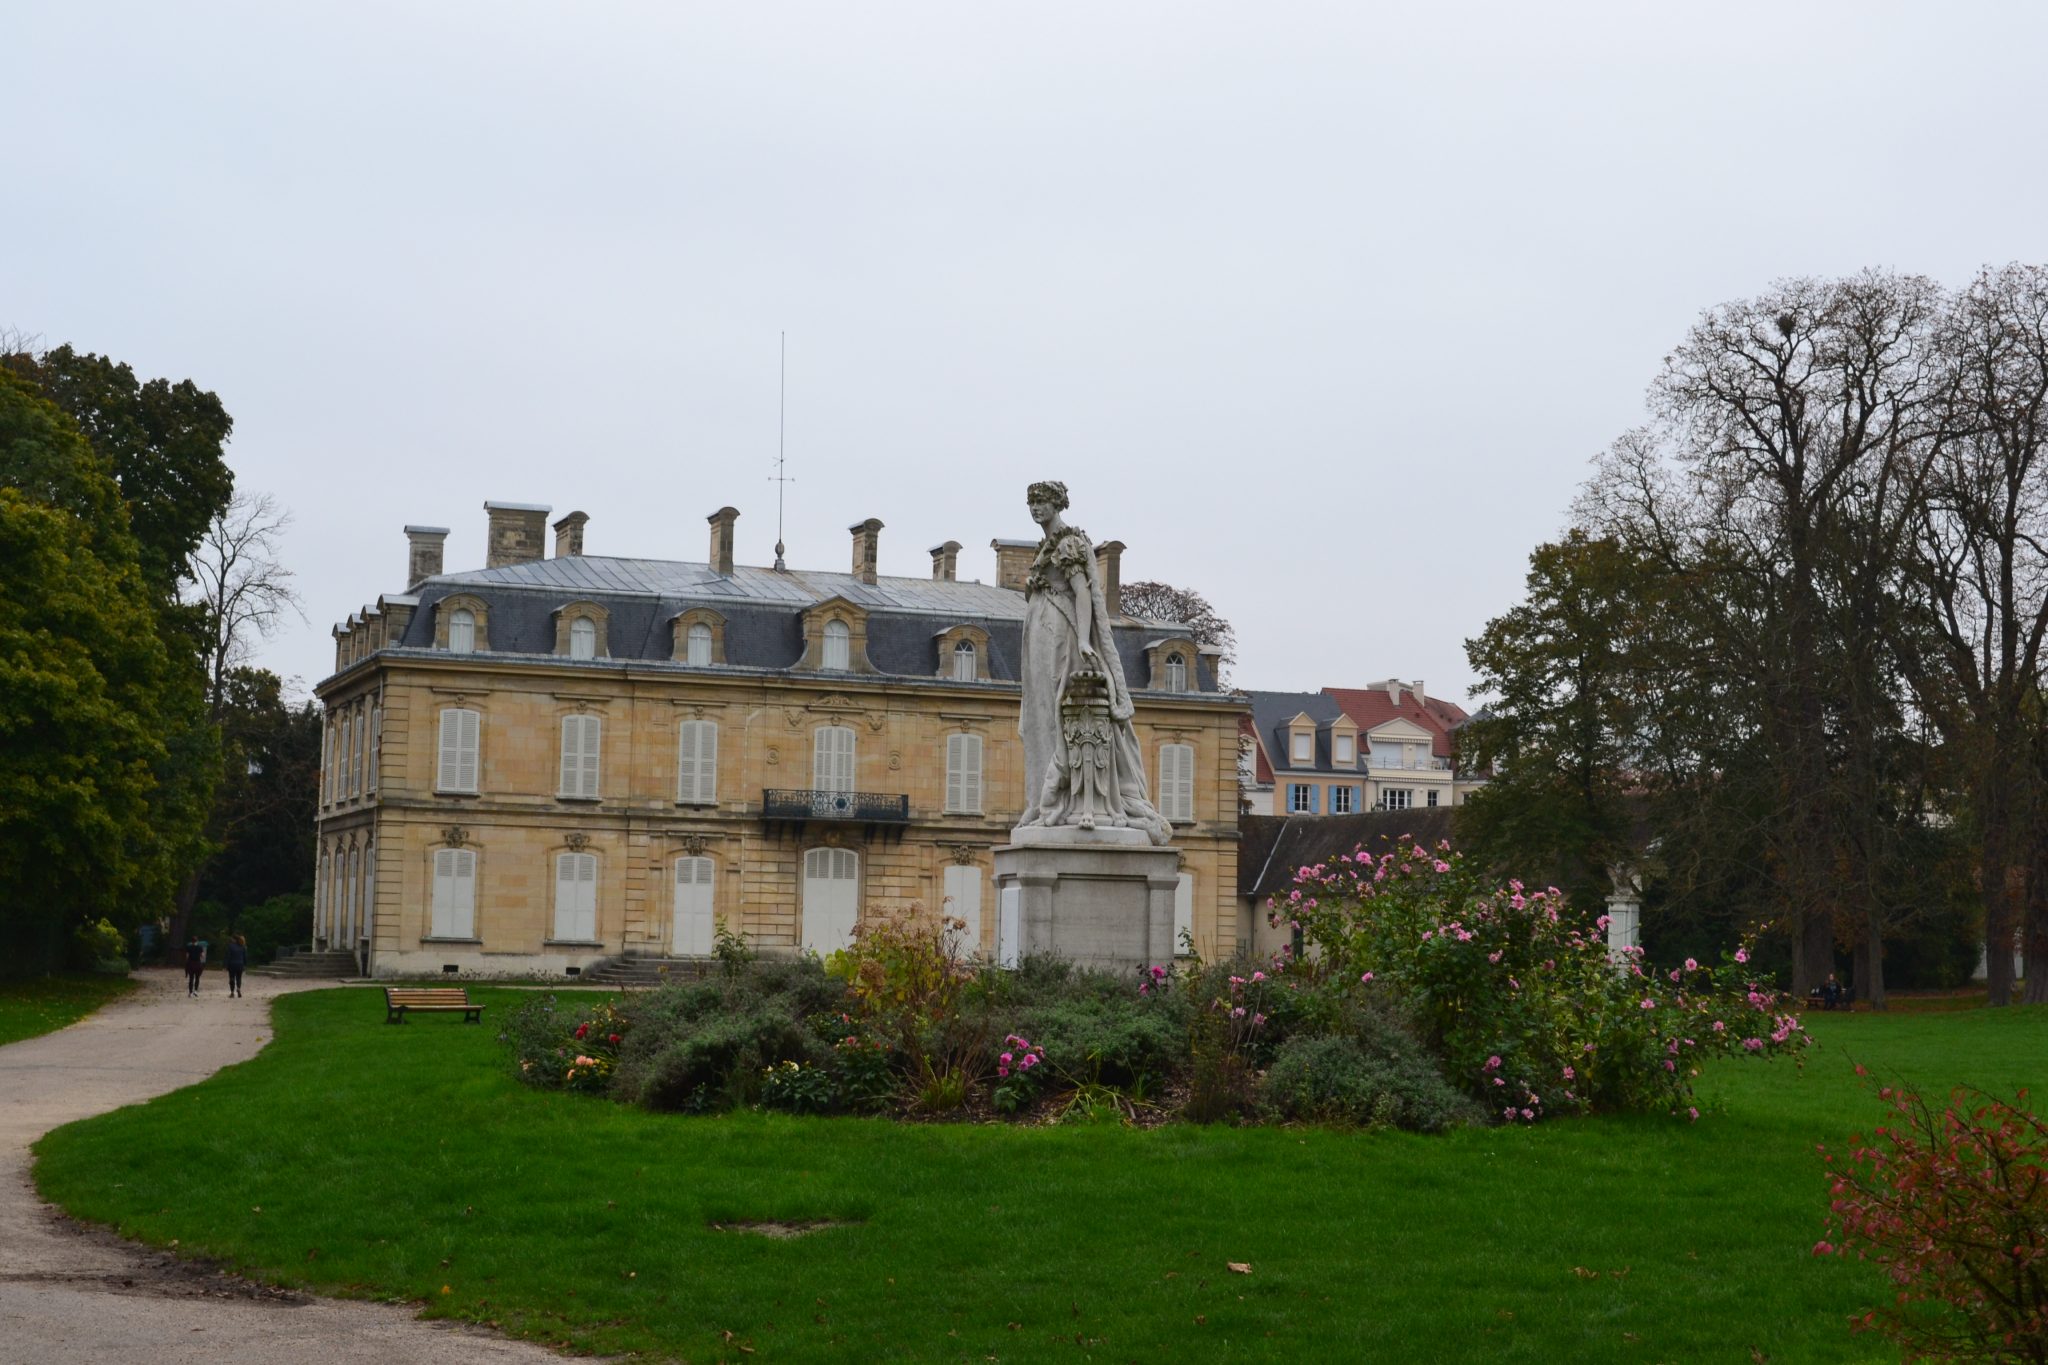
(181,920)
(1870,972)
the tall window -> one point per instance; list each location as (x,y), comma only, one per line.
(351,913)
(1304,747)
(1430,798)
(693,933)
(1176,673)
(583,638)
(1177,781)
(454,893)
(963,898)
(576,897)
(1341,800)
(838,646)
(323,896)
(1301,798)
(697,645)
(581,737)
(335,882)
(462,631)
(362,746)
(1345,749)
(832,759)
(963,773)
(348,744)
(963,662)
(327,761)
(1397,798)
(697,762)
(458,766)
(376,747)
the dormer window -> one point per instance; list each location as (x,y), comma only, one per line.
(1176,673)
(462,631)
(583,638)
(963,662)
(698,646)
(1345,752)
(1304,750)
(838,652)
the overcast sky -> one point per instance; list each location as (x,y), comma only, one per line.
(1321,309)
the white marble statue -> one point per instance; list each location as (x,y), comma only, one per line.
(1083,768)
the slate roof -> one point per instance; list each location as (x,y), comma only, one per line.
(763,613)
(1271,847)
(1272,710)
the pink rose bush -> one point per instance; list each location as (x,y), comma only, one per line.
(1518,992)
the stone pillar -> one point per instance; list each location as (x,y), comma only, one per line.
(569,535)
(721,540)
(1098,898)
(1109,567)
(867,546)
(1624,913)
(1013,562)
(517,533)
(423,554)
(946,562)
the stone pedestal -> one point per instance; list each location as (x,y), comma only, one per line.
(1098,898)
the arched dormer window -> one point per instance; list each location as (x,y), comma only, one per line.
(583,638)
(580,630)
(697,649)
(964,669)
(462,631)
(838,652)
(1176,673)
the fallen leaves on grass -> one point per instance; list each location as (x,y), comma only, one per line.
(1239,1267)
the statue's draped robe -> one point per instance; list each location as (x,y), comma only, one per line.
(1052,655)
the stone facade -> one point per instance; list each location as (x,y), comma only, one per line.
(584,763)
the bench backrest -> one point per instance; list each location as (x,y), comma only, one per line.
(427,995)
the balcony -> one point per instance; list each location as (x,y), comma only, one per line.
(879,812)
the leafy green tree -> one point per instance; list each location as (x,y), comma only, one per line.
(82,686)
(263,815)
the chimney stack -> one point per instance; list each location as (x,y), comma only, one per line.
(867,544)
(517,535)
(721,540)
(1013,562)
(569,535)
(946,562)
(1109,558)
(423,560)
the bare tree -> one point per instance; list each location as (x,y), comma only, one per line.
(1164,602)
(242,586)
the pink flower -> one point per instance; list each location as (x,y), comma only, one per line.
(1600,923)
(1693,1114)
(1237,1013)
(1742,955)
(1492,1063)
(1007,1058)
(1691,965)
(1365,980)
(1570,1074)
(1720,1027)
(1258,1020)
(1753,1044)
(1030,1060)
(1648,1003)
(1258,976)
(1528,1116)
(1442,866)
(1823,1248)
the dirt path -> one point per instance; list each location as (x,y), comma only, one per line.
(69,1293)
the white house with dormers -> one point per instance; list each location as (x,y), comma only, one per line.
(1345,751)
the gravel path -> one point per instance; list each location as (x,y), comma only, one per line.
(71,1293)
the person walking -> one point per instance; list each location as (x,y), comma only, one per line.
(237,958)
(195,963)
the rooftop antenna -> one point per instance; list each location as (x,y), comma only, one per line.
(781,432)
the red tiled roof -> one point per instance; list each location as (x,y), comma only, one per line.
(1370,707)
(1263,774)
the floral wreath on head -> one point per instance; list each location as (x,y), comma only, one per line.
(1051,490)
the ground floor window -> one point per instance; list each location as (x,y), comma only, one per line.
(1397,798)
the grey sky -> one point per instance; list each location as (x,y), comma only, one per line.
(1320,308)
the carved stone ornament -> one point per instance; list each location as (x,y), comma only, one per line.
(965,854)
(695,844)
(793,716)
(455,836)
(876,720)
(895,761)
(579,841)
(774,757)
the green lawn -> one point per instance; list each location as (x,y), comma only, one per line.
(41,1005)
(353,1157)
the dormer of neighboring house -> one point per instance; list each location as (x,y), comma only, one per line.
(1344,744)
(1301,742)
(1401,745)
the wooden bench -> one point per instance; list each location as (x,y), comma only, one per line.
(430,1000)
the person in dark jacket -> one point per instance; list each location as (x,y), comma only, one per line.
(195,963)
(237,959)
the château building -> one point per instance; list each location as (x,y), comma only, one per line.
(554,760)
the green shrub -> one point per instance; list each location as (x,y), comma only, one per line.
(99,947)
(1337,1078)
(571,1044)
(701,1046)
(798,1088)
(1119,1040)
(280,922)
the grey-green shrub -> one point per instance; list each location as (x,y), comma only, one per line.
(1337,1078)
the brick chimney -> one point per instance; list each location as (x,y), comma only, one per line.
(1109,557)
(721,540)
(946,562)
(423,557)
(867,544)
(517,533)
(1013,562)
(569,535)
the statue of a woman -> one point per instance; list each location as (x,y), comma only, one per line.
(1082,763)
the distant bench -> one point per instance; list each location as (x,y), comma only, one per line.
(431,1000)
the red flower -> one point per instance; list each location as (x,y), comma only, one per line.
(582,1029)
(614,1040)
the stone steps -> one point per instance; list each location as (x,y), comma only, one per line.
(647,971)
(326,965)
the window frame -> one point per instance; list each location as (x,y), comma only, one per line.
(1344,796)
(818,746)
(965,654)
(584,780)
(961,774)
(697,775)
(582,638)
(835,639)
(475,748)
(581,858)
(462,631)
(1301,798)
(462,917)
(1177,788)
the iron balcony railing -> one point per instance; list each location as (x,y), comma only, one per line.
(875,808)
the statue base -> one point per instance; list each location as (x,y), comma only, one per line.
(1096,898)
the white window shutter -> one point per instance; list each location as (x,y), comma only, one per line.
(466,774)
(593,747)
(1183,908)
(970,772)
(572,738)
(956,772)
(448,775)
